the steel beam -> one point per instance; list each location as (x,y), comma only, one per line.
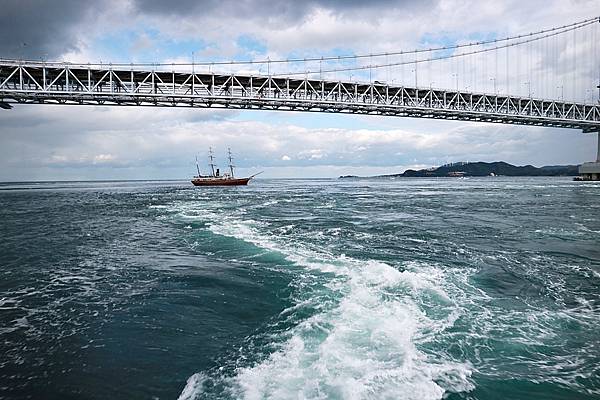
(58,83)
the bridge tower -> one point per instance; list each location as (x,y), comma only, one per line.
(590,171)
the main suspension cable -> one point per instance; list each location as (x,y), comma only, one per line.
(447,57)
(545,32)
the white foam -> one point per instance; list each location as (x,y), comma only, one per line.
(363,342)
(193,387)
(366,350)
(269,203)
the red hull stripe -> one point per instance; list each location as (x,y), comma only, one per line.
(221,182)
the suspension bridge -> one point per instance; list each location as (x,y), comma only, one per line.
(514,80)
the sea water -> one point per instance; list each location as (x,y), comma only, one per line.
(481,288)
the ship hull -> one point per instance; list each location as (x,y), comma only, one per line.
(221,182)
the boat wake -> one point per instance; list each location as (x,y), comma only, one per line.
(366,338)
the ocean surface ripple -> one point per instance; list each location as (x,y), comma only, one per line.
(482,288)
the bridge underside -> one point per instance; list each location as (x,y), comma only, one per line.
(282,105)
(37,83)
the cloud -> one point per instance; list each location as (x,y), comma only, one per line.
(77,141)
(134,143)
(103,158)
(42,29)
(267,11)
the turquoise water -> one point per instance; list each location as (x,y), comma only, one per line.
(304,289)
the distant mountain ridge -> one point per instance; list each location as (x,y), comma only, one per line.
(498,168)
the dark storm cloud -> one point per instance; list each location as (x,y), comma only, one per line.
(35,29)
(272,11)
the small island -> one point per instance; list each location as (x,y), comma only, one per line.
(498,168)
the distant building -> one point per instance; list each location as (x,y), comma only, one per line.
(457,173)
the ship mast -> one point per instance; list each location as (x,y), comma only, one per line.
(211,159)
(230,161)
(197,167)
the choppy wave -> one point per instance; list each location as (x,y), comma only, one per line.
(413,289)
(363,343)
(410,329)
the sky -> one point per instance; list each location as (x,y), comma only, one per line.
(57,142)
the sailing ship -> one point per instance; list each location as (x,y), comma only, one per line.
(216,178)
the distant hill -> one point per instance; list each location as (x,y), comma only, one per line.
(498,168)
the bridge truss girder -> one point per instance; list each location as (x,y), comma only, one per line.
(40,83)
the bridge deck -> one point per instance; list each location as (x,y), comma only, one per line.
(40,83)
